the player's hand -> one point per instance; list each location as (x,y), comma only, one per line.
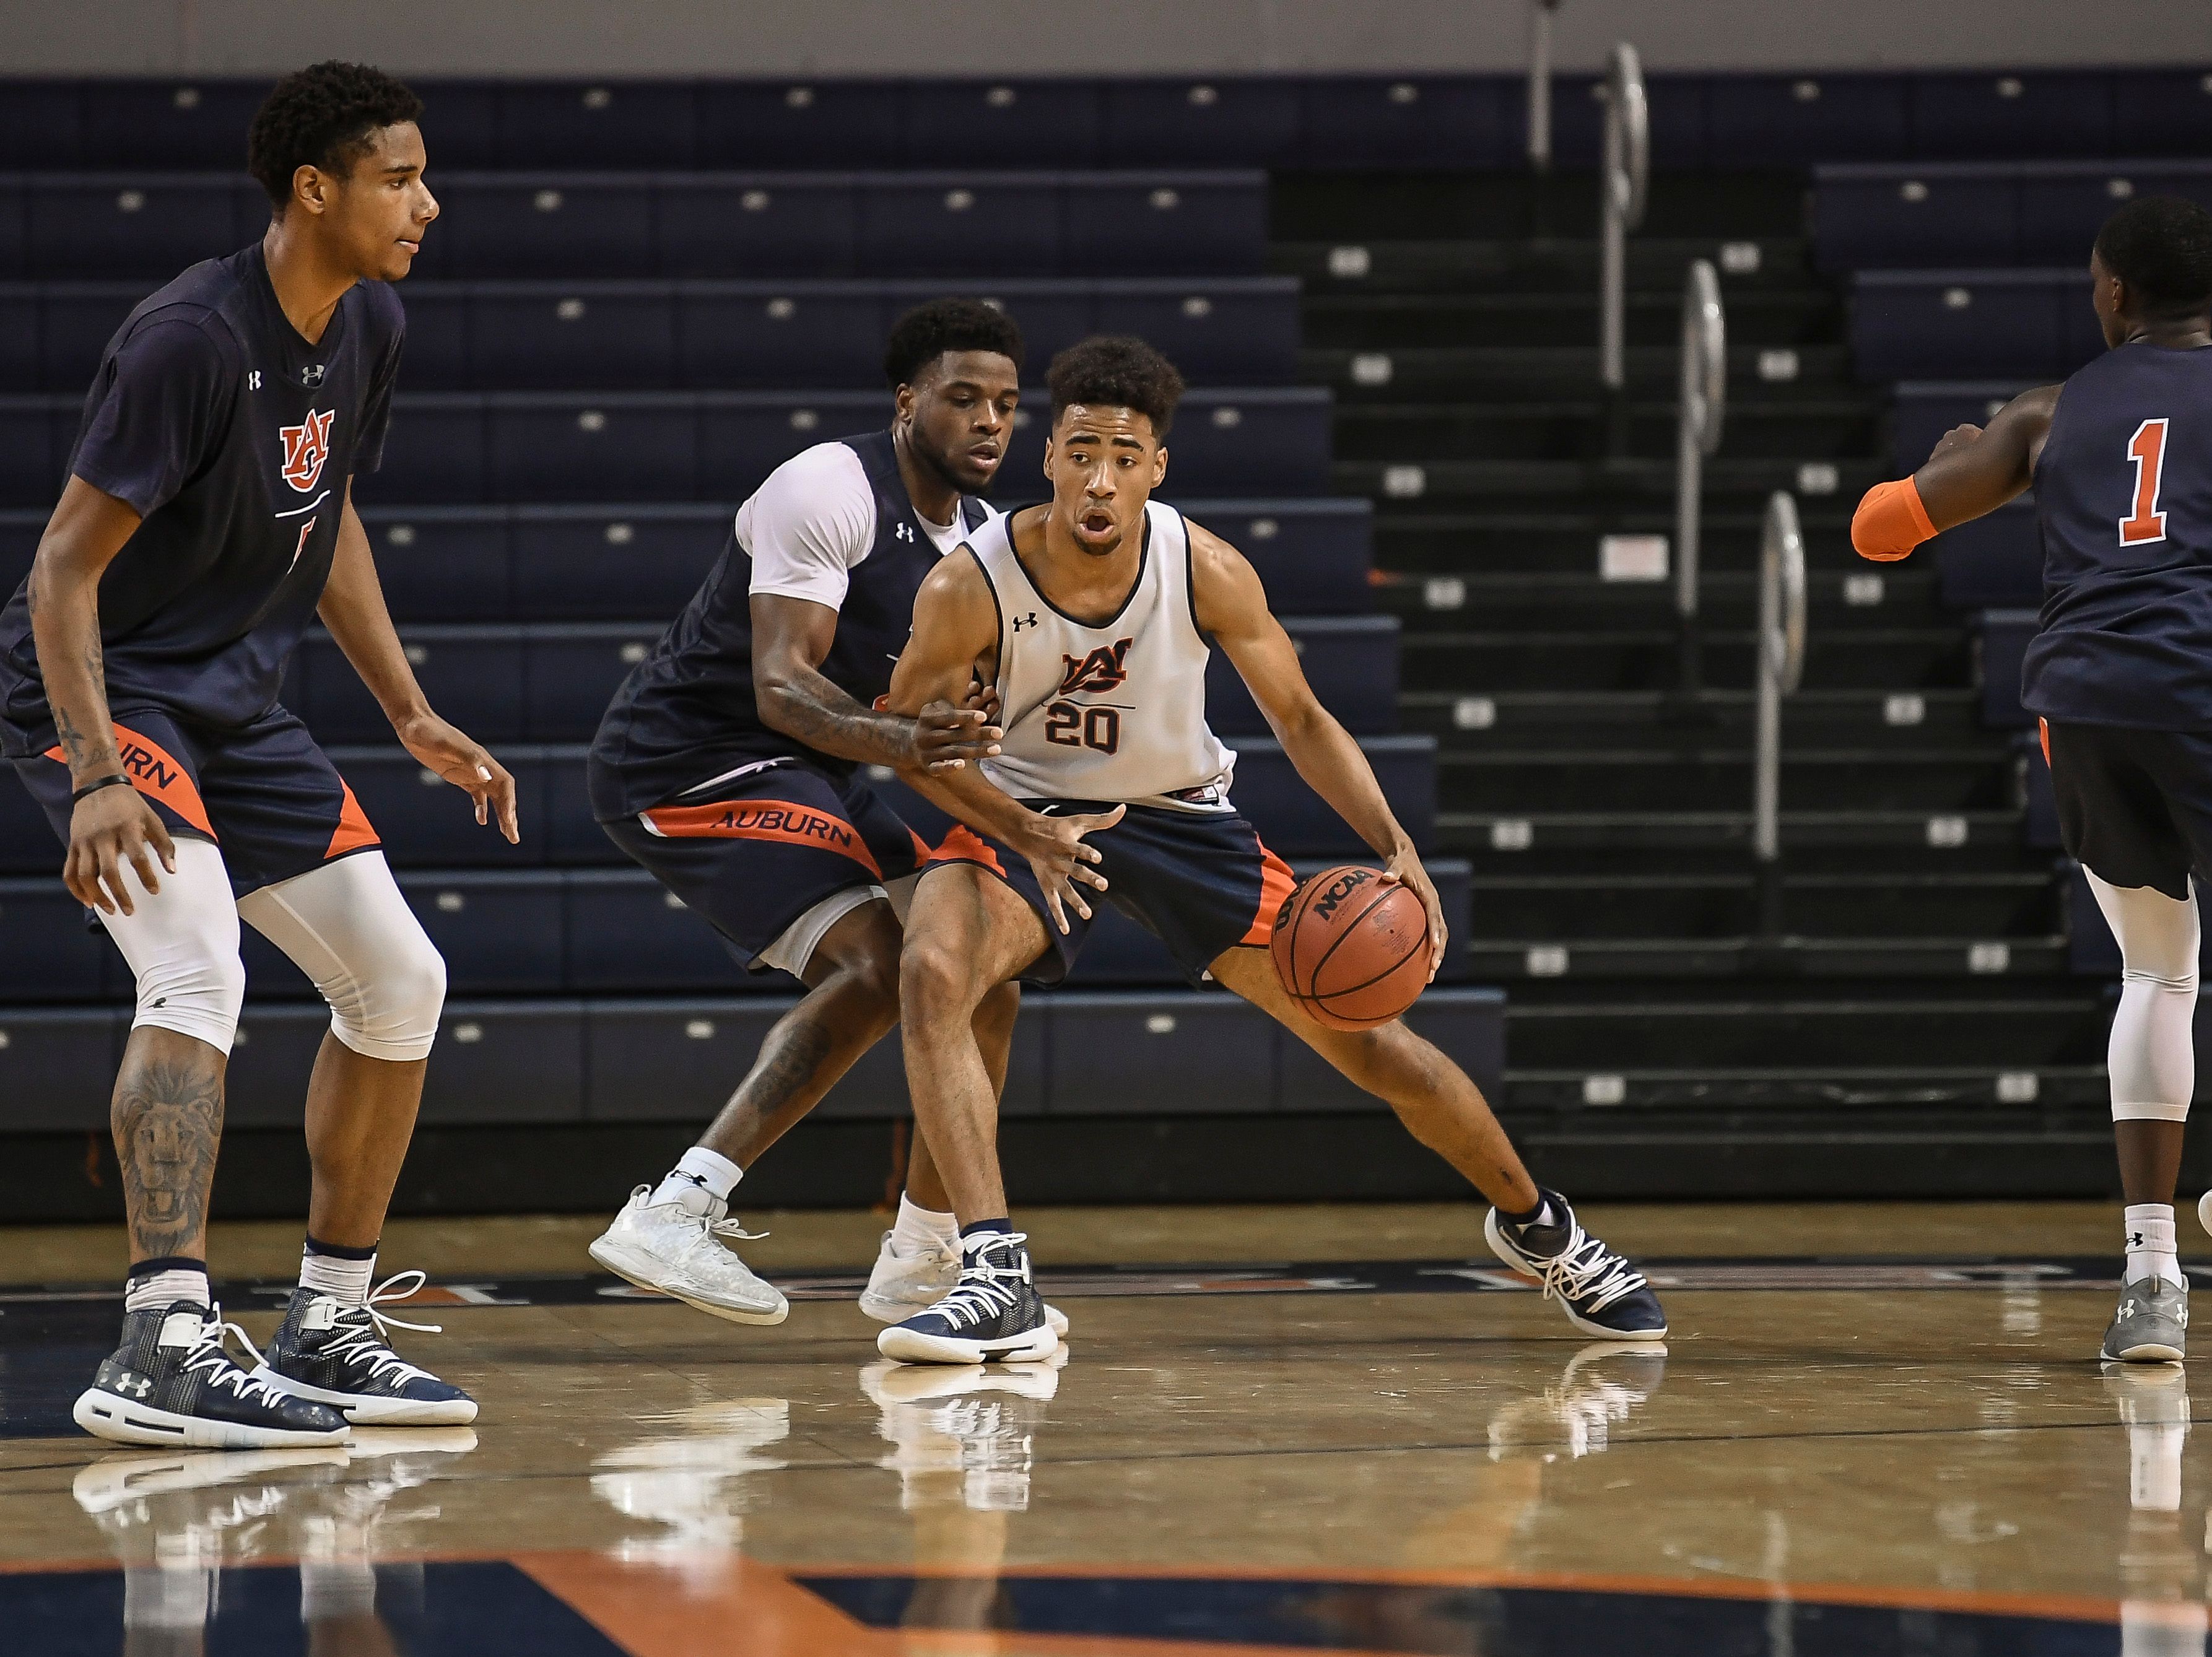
(107,829)
(468,765)
(1404,869)
(946,738)
(1062,860)
(1957,437)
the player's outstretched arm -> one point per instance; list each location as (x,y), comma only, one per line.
(353,608)
(955,640)
(791,638)
(110,823)
(1972,471)
(1232,606)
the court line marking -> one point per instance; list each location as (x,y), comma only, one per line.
(2076,1608)
(589,1572)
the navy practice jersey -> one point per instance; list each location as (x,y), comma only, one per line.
(2123,497)
(687,713)
(232,437)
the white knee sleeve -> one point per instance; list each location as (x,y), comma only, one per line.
(2153,1054)
(182,945)
(347,927)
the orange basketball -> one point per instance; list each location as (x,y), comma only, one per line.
(1352,949)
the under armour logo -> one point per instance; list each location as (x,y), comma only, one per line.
(1021,621)
(902,533)
(254,380)
(137,1386)
(686,1174)
(2135,1240)
(312,375)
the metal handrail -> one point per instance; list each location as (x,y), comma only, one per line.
(1696,434)
(1622,187)
(1539,85)
(1780,646)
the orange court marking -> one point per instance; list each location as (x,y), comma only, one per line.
(663,1611)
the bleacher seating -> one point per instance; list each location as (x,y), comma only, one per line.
(148,225)
(1979,214)
(1714,121)
(576,563)
(585,335)
(642,295)
(453,448)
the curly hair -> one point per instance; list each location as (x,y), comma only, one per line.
(322,116)
(2161,247)
(930,329)
(1119,371)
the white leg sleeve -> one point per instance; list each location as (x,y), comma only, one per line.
(347,927)
(182,945)
(2152,1056)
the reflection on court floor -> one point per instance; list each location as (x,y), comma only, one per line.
(1815,1464)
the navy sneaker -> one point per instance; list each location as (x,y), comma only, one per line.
(173,1381)
(336,1354)
(1601,1293)
(992,1315)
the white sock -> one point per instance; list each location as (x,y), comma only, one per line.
(919,1229)
(345,1281)
(700,1183)
(160,1291)
(2149,1228)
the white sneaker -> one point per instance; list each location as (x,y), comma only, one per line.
(666,1247)
(903,1285)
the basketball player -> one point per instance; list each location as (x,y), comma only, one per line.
(2120,677)
(728,766)
(208,517)
(1093,617)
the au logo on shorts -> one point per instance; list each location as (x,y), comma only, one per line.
(306,447)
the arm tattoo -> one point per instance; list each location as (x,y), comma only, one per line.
(168,1119)
(809,707)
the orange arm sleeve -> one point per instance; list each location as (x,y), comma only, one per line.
(1890,522)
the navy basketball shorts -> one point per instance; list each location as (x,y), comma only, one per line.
(264,793)
(1201,882)
(757,853)
(2134,807)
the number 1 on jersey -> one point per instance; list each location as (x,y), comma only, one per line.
(2146,448)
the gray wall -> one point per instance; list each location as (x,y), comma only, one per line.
(892,37)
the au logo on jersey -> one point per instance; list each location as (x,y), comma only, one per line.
(306,447)
(1105,669)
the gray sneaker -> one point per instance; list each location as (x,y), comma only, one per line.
(2152,1325)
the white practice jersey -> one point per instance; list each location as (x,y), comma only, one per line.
(1114,713)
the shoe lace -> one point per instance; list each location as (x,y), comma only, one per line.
(731,1227)
(984,1290)
(209,1357)
(1586,1273)
(358,1336)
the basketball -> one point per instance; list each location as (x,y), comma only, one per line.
(1353,951)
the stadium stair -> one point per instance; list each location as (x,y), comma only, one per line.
(1921,994)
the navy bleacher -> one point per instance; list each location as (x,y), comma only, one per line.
(1983,214)
(148,225)
(627,336)
(456,447)
(537,563)
(1713,121)
(643,295)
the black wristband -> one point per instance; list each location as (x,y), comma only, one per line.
(97,784)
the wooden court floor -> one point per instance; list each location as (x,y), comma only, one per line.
(1875,1429)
